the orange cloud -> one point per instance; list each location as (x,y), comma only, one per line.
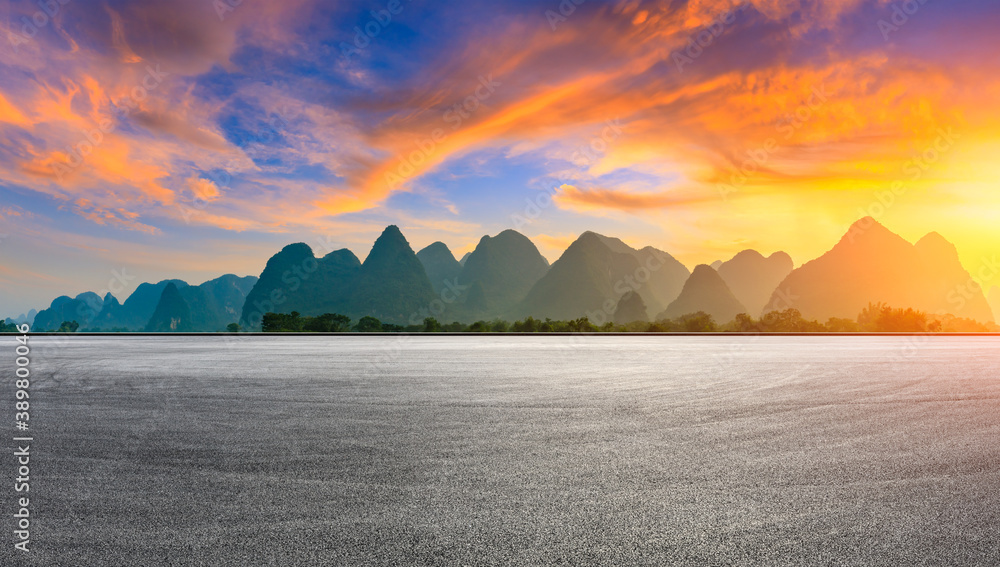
(619,200)
(203,189)
(11,114)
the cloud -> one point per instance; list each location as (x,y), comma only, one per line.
(11,114)
(258,106)
(203,189)
(602,199)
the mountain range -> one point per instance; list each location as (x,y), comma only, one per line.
(170,305)
(871,264)
(505,276)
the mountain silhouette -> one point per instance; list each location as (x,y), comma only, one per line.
(705,291)
(630,308)
(506,266)
(597,276)
(440,265)
(208,307)
(139,306)
(295,280)
(753,278)
(22,318)
(83,309)
(391,285)
(872,264)
(172,313)
(594,273)
(217,303)
(666,274)
(112,311)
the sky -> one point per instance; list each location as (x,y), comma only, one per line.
(186,139)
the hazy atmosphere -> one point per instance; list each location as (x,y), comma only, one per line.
(190,139)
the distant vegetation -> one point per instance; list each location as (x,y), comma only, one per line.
(876,318)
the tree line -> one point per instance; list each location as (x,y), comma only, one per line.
(876,318)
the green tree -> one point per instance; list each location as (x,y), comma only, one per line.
(68,327)
(431,325)
(581,325)
(744,323)
(529,325)
(328,323)
(699,322)
(281,323)
(233,327)
(368,325)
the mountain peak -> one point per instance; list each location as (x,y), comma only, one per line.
(505,266)
(440,265)
(781,256)
(704,272)
(588,240)
(297,248)
(510,232)
(937,245)
(752,278)
(389,245)
(436,248)
(392,232)
(868,231)
(748,254)
(705,291)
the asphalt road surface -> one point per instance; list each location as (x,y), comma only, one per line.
(250,451)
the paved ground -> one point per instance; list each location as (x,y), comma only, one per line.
(511,451)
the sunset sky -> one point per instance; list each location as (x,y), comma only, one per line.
(188,139)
